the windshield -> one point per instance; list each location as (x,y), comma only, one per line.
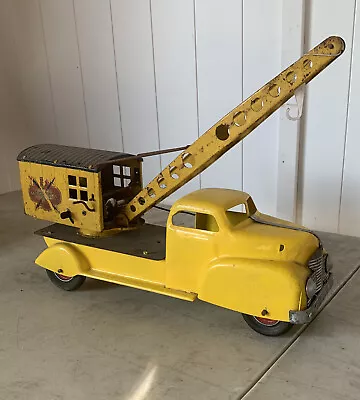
(240,212)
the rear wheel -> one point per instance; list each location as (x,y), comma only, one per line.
(66,282)
(266,326)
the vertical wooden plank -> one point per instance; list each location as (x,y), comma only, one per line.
(94,28)
(219,70)
(4,135)
(135,66)
(173,33)
(293,12)
(65,71)
(349,222)
(29,116)
(6,103)
(262,61)
(325,118)
(32,70)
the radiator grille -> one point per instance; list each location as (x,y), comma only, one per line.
(317,264)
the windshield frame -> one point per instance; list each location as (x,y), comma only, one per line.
(249,207)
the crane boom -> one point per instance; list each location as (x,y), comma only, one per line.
(233,128)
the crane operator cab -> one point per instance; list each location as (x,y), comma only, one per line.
(77,186)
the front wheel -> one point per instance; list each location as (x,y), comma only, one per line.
(266,326)
(66,282)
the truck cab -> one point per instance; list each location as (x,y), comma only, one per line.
(220,247)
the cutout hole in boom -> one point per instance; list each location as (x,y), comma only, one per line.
(161,182)
(257,104)
(173,172)
(222,132)
(239,118)
(186,160)
(274,90)
(151,192)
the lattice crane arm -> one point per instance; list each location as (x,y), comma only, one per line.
(233,127)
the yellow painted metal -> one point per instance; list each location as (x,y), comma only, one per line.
(65,258)
(115,263)
(234,127)
(246,267)
(73,259)
(50,185)
(252,286)
(241,267)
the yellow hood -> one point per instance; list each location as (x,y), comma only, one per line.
(266,241)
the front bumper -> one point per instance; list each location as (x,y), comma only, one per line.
(305,316)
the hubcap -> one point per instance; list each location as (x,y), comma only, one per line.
(266,321)
(63,278)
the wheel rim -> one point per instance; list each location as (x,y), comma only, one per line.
(266,321)
(63,278)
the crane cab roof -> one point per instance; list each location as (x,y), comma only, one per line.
(70,157)
(212,199)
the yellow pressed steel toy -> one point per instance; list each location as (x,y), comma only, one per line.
(216,246)
(75,186)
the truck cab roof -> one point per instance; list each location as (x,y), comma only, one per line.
(213,200)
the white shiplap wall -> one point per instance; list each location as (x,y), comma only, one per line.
(139,75)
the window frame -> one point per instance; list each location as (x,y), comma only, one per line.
(194,229)
(78,187)
(248,213)
(124,174)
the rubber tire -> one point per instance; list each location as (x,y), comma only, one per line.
(73,284)
(276,330)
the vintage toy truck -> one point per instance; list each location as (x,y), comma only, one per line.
(242,260)
(216,246)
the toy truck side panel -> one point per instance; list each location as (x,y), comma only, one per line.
(109,266)
(101,260)
(252,286)
(49,190)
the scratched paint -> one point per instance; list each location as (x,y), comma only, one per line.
(44,194)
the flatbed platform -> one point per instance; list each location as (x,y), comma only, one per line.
(149,241)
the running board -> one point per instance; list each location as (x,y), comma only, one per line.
(140,284)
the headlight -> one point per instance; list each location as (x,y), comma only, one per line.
(310,287)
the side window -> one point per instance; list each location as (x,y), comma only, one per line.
(78,188)
(122,175)
(184,218)
(204,222)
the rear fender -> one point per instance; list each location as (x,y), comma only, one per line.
(252,286)
(64,257)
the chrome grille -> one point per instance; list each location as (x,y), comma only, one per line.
(317,264)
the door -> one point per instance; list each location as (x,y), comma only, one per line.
(191,245)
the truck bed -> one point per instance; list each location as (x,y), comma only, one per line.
(149,241)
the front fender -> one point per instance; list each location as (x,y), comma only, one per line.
(65,257)
(251,286)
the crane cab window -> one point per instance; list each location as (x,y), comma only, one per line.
(120,183)
(200,221)
(78,188)
(83,182)
(122,175)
